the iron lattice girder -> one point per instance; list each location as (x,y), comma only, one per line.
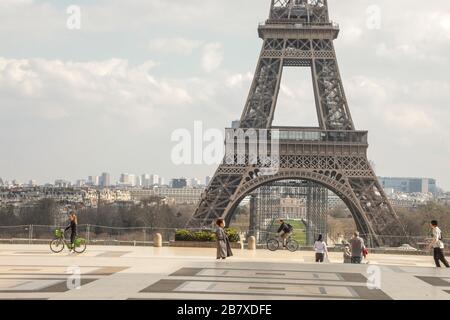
(299,33)
(319,54)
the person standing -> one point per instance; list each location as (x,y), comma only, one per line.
(357,248)
(223,243)
(320,247)
(438,245)
(347,254)
(73,230)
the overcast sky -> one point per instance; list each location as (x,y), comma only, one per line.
(107,97)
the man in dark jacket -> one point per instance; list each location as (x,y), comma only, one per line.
(285,231)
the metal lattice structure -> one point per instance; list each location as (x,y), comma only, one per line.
(267,208)
(299,33)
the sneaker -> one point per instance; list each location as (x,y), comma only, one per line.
(72,251)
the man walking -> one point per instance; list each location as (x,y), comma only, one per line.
(438,245)
(357,248)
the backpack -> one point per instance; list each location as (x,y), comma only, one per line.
(290,228)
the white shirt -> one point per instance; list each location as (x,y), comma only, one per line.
(320,247)
(437,234)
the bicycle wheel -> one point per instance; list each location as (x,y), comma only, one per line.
(292,245)
(81,247)
(57,245)
(273,244)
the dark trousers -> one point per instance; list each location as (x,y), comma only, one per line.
(73,235)
(356,260)
(320,257)
(439,257)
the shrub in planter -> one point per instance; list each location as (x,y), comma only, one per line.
(184,235)
(232,234)
(204,236)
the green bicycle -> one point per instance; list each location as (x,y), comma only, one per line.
(59,243)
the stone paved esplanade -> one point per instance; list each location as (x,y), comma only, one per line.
(121,273)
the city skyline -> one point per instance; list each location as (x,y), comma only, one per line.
(130,93)
(96,180)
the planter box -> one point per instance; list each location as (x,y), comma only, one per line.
(200,244)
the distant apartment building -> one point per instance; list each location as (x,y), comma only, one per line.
(155,180)
(80,183)
(293,208)
(32,183)
(93,181)
(409,185)
(63,183)
(127,180)
(180,195)
(444,198)
(179,183)
(194,182)
(145,180)
(105,180)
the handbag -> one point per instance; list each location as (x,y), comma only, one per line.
(365,252)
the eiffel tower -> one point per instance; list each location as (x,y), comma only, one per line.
(299,33)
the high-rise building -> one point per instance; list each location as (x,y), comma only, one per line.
(145,180)
(162,181)
(137,181)
(409,185)
(93,181)
(105,180)
(154,178)
(32,183)
(126,180)
(194,182)
(207,180)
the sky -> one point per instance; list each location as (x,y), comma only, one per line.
(108,96)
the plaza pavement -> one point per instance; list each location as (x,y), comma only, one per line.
(140,273)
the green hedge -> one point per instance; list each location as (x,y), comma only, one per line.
(205,236)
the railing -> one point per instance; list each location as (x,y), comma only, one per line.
(297,134)
(143,236)
(94,234)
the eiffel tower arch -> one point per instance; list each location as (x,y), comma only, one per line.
(299,33)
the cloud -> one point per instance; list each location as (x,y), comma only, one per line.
(54,89)
(10,3)
(212,56)
(179,46)
(238,79)
(395,78)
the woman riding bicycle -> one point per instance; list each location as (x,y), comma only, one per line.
(73,229)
